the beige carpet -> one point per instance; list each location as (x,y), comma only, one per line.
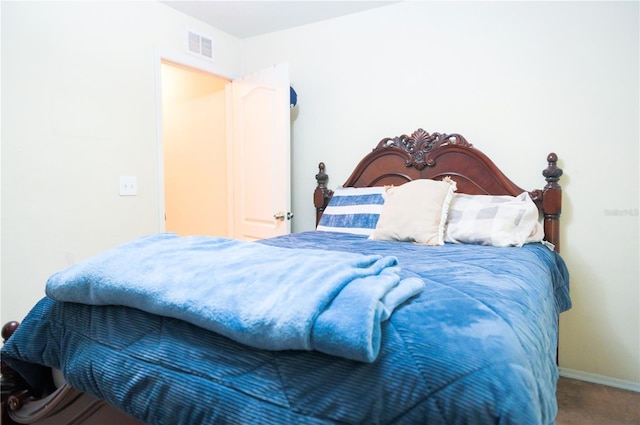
(584,403)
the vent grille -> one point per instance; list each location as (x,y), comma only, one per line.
(200,45)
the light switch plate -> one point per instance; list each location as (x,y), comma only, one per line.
(128,185)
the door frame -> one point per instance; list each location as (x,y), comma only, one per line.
(199,64)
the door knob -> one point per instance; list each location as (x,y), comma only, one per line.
(280,216)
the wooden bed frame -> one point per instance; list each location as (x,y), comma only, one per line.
(421,155)
(393,161)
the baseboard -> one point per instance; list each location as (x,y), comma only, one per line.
(599,379)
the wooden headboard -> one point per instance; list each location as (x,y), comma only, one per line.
(421,155)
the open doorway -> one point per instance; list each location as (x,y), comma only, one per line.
(194,137)
(224,150)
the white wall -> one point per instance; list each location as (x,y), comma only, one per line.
(79,110)
(518,80)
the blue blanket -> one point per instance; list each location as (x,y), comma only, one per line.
(476,347)
(263,296)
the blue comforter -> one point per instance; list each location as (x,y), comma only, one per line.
(476,346)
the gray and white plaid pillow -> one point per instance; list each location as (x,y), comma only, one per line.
(493,220)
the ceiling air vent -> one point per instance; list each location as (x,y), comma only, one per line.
(200,45)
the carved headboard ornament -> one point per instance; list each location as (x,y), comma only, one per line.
(420,144)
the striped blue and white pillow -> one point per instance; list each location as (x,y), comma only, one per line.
(353,210)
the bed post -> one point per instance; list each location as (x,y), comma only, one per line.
(14,388)
(321,195)
(552,201)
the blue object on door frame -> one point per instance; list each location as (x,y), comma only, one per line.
(293,97)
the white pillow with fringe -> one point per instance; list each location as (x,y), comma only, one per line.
(415,212)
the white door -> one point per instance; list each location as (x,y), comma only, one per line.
(260,191)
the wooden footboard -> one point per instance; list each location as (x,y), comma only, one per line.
(22,404)
(13,386)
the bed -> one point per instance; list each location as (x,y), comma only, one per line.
(456,323)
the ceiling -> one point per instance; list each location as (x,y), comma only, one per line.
(244,19)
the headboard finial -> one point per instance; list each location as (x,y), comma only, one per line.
(321,195)
(322,178)
(552,201)
(552,173)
